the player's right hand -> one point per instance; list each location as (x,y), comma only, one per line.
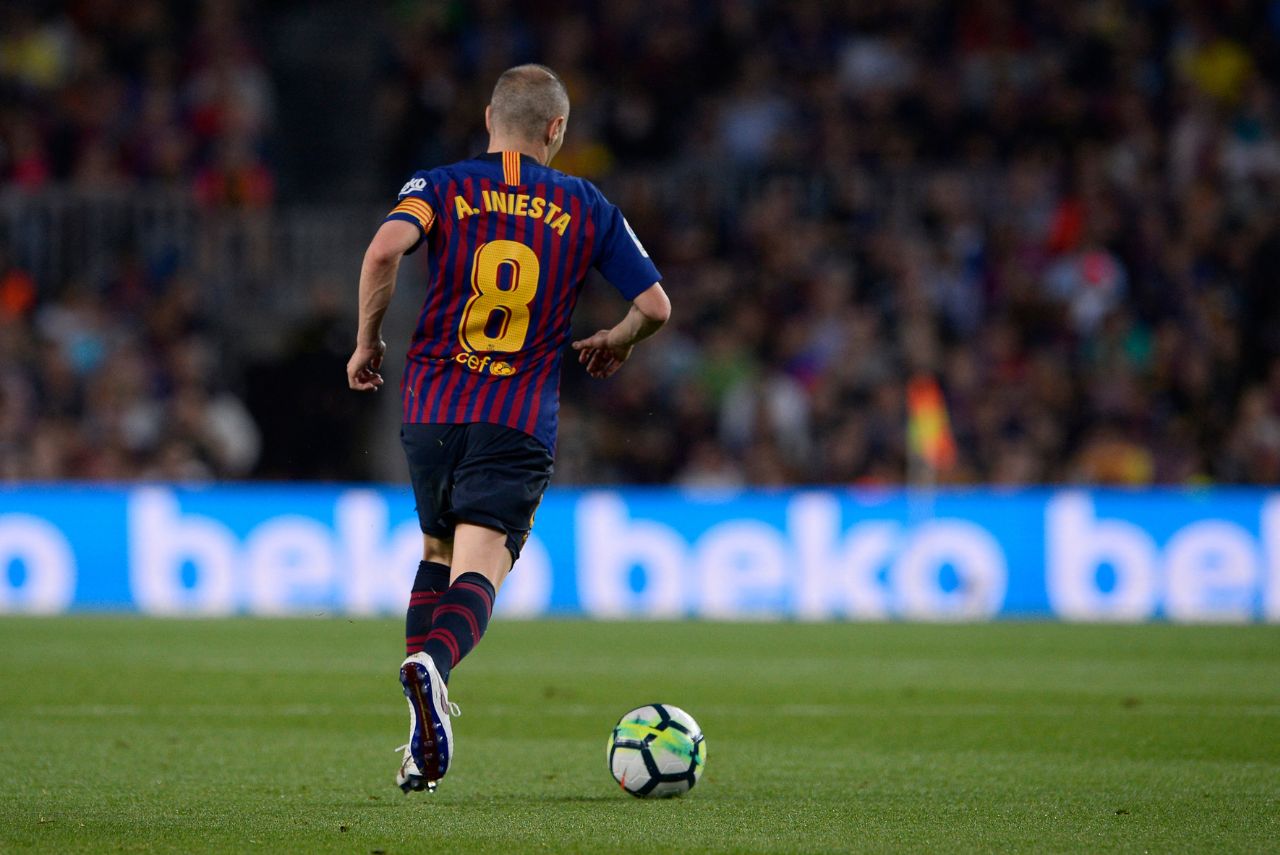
(362,367)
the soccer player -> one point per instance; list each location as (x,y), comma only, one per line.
(509,243)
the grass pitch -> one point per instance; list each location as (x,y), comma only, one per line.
(257,735)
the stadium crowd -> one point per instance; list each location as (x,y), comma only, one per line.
(122,377)
(1064,212)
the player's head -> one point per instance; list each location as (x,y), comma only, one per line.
(530,103)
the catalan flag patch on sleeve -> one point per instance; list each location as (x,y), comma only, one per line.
(416,210)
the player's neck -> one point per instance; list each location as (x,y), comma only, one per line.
(538,153)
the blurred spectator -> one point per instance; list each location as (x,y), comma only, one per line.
(312,426)
(113,95)
(90,389)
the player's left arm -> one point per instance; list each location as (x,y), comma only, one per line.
(624,261)
(604,352)
(377,285)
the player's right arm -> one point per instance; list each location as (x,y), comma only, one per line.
(377,285)
(402,232)
(604,352)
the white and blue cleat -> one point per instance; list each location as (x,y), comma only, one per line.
(426,757)
(410,777)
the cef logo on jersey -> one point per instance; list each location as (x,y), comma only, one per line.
(484,365)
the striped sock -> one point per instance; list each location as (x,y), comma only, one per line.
(432,581)
(460,619)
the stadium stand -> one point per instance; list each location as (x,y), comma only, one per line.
(1068,218)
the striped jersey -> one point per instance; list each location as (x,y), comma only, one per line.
(509,243)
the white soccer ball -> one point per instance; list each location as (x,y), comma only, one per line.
(656,751)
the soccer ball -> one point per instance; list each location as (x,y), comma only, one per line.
(657,751)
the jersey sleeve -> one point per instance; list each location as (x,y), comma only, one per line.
(416,205)
(620,257)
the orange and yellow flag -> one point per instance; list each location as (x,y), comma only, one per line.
(928,426)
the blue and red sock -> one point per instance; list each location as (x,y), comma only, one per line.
(461,616)
(428,586)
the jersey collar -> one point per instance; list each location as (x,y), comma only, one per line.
(513,165)
(496,156)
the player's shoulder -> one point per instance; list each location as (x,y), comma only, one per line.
(444,173)
(581,187)
(435,178)
(422,181)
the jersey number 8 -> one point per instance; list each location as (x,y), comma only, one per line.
(480,330)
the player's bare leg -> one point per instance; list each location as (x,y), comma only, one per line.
(437,549)
(480,549)
(480,562)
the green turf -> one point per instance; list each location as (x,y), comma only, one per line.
(150,735)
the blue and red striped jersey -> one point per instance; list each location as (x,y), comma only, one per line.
(510,242)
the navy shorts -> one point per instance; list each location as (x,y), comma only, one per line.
(480,473)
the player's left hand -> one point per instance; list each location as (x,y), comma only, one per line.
(600,356)
(362,367)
